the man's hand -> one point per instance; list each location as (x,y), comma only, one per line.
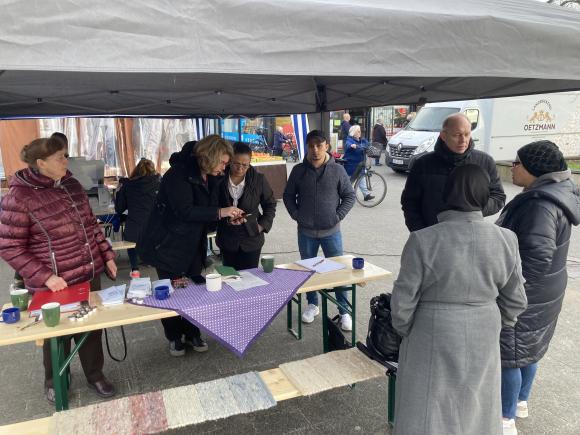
(55,283)
(353,146)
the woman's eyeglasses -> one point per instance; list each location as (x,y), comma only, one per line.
(240,165)
(516,163)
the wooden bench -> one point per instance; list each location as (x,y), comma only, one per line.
(279,385)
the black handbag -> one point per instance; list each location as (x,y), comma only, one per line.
(374,150)
(382,340)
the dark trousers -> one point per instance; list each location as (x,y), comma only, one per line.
(241,260)
(175,327)
(133,258)
(90,353)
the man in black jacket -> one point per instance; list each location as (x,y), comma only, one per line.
(422,197)
(344,128)
(379,136)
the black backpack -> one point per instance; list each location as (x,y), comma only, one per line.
(336,339)
(382,340)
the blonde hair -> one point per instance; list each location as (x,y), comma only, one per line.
(353,130)
(41,148)
(209,152)
(144,167)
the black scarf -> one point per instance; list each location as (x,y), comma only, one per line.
(449,156)
(466,188)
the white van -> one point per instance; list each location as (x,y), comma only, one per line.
(499,126)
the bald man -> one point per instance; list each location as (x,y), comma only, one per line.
(422,196)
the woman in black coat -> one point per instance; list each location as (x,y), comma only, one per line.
(542,217)
(186,208)
(247,189)
(136,195)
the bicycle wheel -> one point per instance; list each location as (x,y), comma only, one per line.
(376,186)
(256,145)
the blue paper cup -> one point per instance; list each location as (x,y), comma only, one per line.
(161,292)
(358,263)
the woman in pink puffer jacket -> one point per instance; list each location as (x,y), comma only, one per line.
(50,236)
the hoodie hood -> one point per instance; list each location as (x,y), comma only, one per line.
(558,188)
(184,155)
(31,178)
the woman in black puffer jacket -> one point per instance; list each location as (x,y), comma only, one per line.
(542,217)
(136,195)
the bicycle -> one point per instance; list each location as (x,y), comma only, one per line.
(290,149)
(376,184)
(260,145)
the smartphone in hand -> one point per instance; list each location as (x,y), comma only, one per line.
(241,219)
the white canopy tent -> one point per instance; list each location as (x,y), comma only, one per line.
(222,57)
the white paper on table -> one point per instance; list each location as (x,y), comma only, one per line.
(166,282)
(246,282)
(320,264)
(139,288)
(114,295)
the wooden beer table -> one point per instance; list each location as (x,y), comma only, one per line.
(126,314)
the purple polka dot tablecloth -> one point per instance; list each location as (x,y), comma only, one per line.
(235,318)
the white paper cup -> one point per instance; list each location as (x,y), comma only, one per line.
(213,282)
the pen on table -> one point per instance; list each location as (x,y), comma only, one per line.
(318,262)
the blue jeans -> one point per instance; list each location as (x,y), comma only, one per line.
(332,247)
(363,186)
(515,387)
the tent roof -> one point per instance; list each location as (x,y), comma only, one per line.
(222,57)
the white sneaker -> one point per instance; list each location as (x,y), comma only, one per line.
(509,427)
(522,409)
(310,313)
(345,322)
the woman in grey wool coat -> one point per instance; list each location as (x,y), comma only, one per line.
(459,281)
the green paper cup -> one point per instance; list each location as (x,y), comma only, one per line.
(51,313)
(268,263)
(19,298)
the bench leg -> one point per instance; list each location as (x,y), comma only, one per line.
(297,299)
(325,345)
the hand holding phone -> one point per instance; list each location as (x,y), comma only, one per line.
(241,219)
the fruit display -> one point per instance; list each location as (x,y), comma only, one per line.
(265,157)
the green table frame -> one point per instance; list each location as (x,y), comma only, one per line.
(325,294)
(61,367)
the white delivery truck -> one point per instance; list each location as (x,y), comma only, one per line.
(499,126)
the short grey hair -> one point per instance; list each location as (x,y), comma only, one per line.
(353,130)
(453,117)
